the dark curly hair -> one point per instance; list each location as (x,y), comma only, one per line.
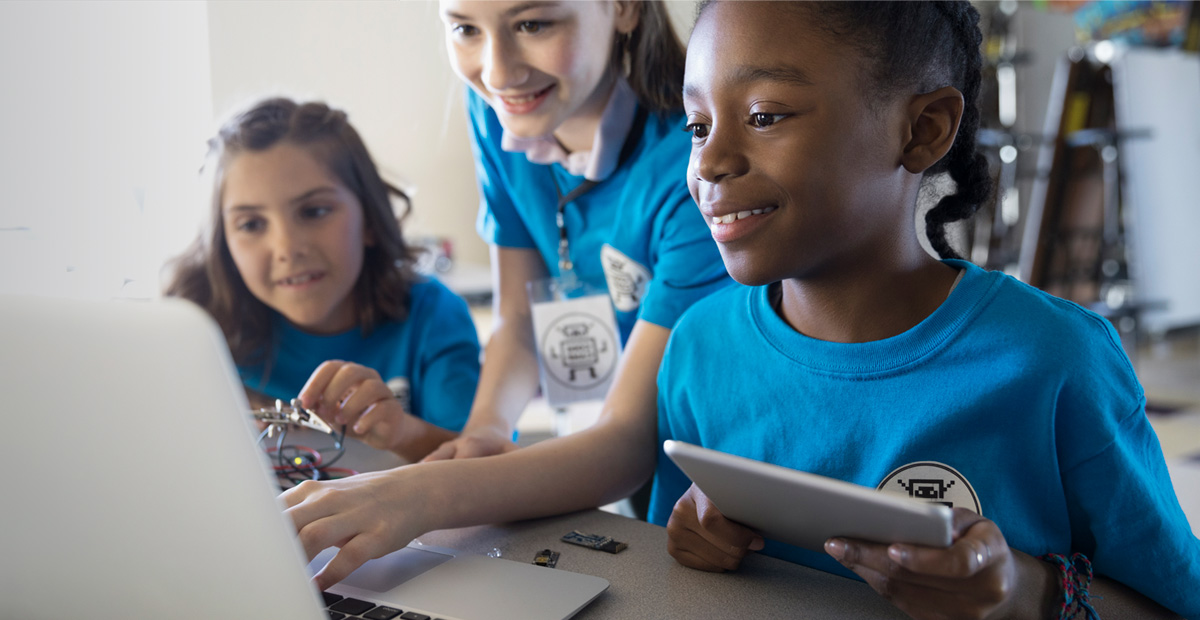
(206,274)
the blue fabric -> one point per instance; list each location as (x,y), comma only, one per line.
(643,210)
(1030,397)
(436,349)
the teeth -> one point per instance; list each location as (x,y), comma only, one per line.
(740,215)
(298,279)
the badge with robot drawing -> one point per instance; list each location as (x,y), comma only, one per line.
(577,344)
(933,482)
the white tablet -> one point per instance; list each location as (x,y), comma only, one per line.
(805,509)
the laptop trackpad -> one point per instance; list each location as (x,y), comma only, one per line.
(383,574)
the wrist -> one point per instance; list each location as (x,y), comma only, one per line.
(1036,593)
(488,424)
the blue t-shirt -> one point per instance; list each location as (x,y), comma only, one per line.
(639,228)
(1023,405)
(430,360)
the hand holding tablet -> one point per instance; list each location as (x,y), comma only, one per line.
(805,509)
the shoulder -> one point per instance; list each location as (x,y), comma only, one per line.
(431,295)
(712,314)
(1060,338)
(1050,317)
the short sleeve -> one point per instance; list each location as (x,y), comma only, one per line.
(498,222)
(1126,518)
(448,363)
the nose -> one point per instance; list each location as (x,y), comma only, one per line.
(288,243)
(720,156)
(503,67)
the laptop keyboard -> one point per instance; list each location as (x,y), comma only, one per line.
(346,608)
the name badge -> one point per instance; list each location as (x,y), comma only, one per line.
(577,339)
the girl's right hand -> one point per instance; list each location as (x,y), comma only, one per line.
(472,444)
(699,536)
(345,393)
(365,516)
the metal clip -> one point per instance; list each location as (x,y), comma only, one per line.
(293,413)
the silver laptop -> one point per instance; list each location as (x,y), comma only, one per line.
(135,489)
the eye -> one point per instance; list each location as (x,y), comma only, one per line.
(464,30)
(698,130)
(314,212)
(762,119)
(250,225)
(532,26)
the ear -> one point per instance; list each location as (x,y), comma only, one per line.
(932,125)
(368,237)
(627,15)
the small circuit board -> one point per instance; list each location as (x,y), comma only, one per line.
(546,558)
(594,541)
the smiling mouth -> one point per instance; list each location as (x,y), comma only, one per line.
(524,104)
(730,218)
(301,279)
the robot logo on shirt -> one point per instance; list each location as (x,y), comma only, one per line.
(579,350)
(627,279)
(932,482)
(402,390)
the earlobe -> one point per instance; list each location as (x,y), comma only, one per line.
(627,15)
(933,125)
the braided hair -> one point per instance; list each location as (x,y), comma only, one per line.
(925,45)
(922,46)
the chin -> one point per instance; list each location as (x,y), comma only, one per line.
(744,270)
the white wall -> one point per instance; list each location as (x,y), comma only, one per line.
(384,63)
(105,109)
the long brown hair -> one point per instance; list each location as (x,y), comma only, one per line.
(652,58)
(206,274)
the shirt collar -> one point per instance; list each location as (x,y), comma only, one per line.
(598,163)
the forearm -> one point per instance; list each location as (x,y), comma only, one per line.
(586,469)
(507,380)
(583,470)
(417,438)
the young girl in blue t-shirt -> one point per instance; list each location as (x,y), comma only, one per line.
(303,266)
(853,353)
(566,96)
(856,355)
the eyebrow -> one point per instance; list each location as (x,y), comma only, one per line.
(746,75)
(514,10)
(301,198)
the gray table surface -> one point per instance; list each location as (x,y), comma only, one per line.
(646,582)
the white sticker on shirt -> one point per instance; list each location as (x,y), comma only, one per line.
(402,390)
(933,482)
(627,279)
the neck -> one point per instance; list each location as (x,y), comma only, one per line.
(864,305)
(579,132)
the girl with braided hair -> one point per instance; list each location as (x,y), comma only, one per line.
(303,266)
(851,352)
(854,354)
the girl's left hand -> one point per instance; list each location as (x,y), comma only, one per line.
(354,395)
(976,577)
